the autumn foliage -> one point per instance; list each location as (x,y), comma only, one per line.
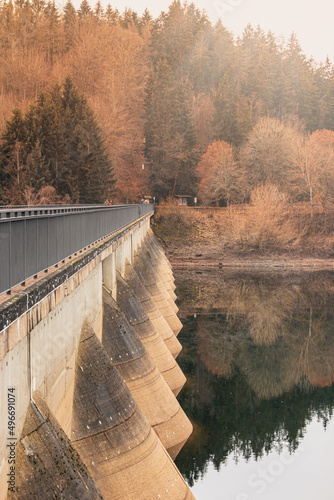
(220,178)
(169,93)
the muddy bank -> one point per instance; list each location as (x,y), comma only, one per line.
(207,240)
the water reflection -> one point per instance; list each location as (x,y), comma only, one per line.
(259,358)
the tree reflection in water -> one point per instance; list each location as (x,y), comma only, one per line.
(259,358)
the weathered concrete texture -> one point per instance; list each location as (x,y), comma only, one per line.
(159,269)
(152,311)
(145,382)
(14,373)
(47,465)
(113,437)
(54,342)
(158,256)
(154,242)
(157,291)
(151,339)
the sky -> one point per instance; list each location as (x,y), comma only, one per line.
(312,20)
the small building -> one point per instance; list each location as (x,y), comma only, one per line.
(181,200)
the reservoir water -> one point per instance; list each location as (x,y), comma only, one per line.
(258,354)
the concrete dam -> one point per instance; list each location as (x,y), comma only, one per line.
(88,348)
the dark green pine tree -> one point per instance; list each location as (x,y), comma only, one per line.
(300,84)
(13,156)
(37,169)
(58,142)
(69,25)
(84,10)
(170,145)
(89,175)
(53,22)
(111,15)
(15,133)
(49,117)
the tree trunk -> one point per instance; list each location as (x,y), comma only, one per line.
(311,203)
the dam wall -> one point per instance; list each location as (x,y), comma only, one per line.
(89,377)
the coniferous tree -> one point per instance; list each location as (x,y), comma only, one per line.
(53,18)
(69,25)
(301,92)
(58,143)
(85,10)
(111,15)
(98,11)
(170,147)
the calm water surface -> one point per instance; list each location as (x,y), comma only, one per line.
(258,353)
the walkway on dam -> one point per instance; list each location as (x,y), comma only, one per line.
(34,239)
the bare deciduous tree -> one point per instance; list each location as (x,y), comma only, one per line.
(220,178)
(269,152)
(313,169)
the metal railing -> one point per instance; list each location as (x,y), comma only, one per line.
(33,239)
(14,212)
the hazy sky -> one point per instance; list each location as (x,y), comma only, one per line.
(312,20)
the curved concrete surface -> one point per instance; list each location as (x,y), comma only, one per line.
(158,256)
(160,269)
(151,339)
(47,465)
(113,437)
(152,311)
(157,290)
(145,382)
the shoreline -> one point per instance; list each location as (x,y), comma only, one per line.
(307,264)
(206,240)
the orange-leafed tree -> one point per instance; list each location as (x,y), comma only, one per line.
(219,177)
(116,94)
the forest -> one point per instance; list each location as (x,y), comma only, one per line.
(96,104)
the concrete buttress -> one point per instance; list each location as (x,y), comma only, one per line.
(152,311)
(151,339)
(46,463)
(143,379)
(113,437)
(157,291)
